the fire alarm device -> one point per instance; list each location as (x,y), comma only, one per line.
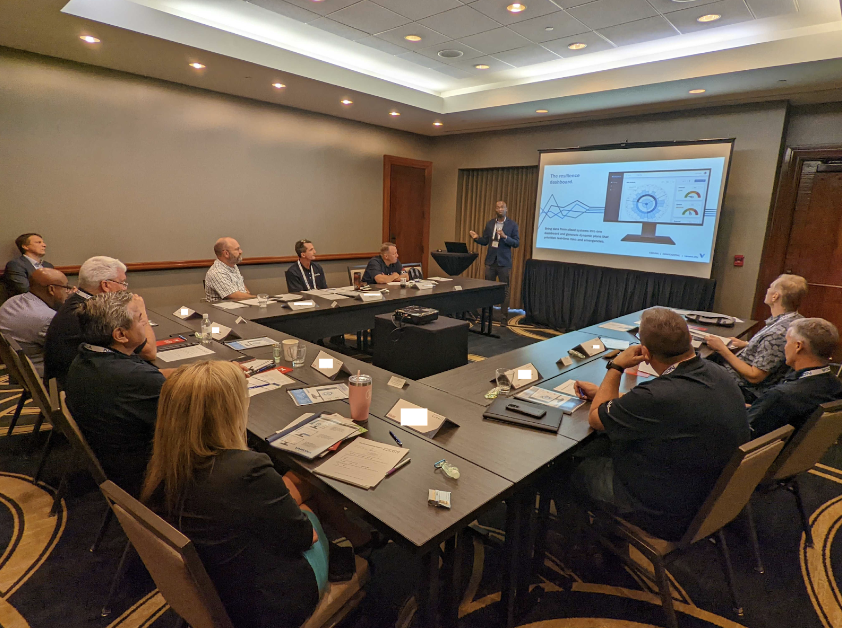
(738,260)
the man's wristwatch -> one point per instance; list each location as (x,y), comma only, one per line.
(616,367)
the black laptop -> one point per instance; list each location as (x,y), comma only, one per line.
(456,247)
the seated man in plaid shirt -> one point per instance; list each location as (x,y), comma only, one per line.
(223,279)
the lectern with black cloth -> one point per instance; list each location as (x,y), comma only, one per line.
(417,351)
(454,263)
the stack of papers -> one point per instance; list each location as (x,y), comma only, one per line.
(185,353)
(318,394)
(228,305)
(617,326)
(254,343)
(363,463)
(439,279)
(546,397)
(428,426)
(288,297)
(266,381)
(611,343)
(567,388)
(312,435)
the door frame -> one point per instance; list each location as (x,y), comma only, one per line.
(779,226)
(388,162)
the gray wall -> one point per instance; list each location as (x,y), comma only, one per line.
(815,125)
(757,129)
(102,162)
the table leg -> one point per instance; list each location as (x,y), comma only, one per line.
(511,551)
(454,549)
(428,589)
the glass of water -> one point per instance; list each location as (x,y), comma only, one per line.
(300,355)
(262,300)
(503,381)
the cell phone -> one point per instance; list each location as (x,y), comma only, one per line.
(611,354)
(535,413)
(341,565)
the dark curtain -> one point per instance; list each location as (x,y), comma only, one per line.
(571,296)
(478,191)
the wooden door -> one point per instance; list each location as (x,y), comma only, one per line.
(815,244)
(406,207)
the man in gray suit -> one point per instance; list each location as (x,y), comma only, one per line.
(16,276)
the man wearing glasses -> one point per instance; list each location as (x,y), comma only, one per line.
(97,275)
(25,317)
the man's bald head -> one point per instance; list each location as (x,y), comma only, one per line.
(228,251)
(47,284)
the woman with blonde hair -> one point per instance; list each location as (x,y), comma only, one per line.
(265,551)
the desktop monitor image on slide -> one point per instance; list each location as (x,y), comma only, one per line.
(602,206)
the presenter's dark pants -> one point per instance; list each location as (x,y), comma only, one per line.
(493,272)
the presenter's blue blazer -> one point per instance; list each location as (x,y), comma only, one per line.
(502,255)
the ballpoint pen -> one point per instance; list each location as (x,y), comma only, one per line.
(400,444)
(398,466)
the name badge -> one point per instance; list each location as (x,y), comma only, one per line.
(495,244)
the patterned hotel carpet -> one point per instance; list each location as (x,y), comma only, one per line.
(49,578)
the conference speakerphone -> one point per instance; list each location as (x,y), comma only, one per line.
(666,197)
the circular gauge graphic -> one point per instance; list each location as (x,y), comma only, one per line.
(645,202)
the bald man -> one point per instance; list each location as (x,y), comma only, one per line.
(223,279)
(26,317)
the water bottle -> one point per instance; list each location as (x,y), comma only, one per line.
(206,329)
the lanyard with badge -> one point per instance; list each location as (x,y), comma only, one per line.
(304,276)
(812,372)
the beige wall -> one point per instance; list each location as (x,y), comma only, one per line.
(106,163)
(757,129)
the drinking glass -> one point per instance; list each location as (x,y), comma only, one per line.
(262,300)
(300,355)
(503,381)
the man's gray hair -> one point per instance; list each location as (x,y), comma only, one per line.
(384,248)
(100,315)
(793,289)
(98,269)
(820,336)
(665,334)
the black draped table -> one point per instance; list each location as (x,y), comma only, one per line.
(454,263)
(572,296)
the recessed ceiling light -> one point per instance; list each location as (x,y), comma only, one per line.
(437,123)
(710,17)
(517,7)
(450,54)
(697,91)
(278,85)
(198,66)
(347,102)
(481,66)
(394,113)
(412,38)
(577,46)
(88,39)
(541,111)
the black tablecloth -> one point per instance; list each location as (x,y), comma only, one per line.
(572,296)
(454,263)
(418,351)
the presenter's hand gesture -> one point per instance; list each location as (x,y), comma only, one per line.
(585,390)
(631,357)
(473,234)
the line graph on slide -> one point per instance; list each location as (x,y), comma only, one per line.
(574,209)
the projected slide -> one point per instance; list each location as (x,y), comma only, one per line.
(663,209)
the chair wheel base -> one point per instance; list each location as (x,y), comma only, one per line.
(105,612)
(739,612)
(759,570)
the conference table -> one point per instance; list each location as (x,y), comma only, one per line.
(497,461)
(334,316)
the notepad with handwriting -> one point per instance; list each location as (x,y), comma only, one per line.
(363,463)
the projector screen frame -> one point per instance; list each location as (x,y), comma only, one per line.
(644,264)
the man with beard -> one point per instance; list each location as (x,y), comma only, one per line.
(223,279)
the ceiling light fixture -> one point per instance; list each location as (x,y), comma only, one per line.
(347,102)
(412,38)
(577,46)
(541,111)
(278,85)
(481,66)
(394,113)
(710,17)
(197,66)
(697,91)
(517,7)
(88,39)
(438,123)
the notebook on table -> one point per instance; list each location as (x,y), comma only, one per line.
(549,422)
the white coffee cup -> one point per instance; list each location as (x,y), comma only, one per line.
(290,347)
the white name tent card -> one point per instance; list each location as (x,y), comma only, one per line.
(301,305)
(185,353)
(218,332)
(185,312)
(329,366)
(415,420)
(415,417)
(591,347)
(522,376)
(370,296)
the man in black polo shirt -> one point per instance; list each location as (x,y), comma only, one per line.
(809,344)
(111,391)
(97,275)
(305,274)
(385,267)
(670,437)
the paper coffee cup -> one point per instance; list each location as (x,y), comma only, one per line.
(289,349)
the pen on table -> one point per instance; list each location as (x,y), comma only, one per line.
(398,466)
(265,368)
(400,444)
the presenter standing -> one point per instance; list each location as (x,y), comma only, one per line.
(502,234)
